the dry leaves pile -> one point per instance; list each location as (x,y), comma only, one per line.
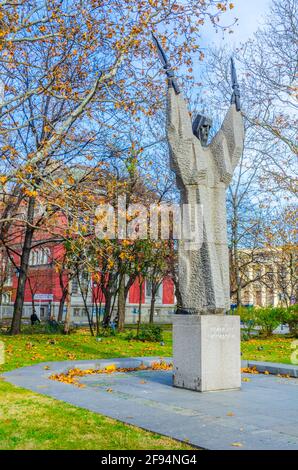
(253,370)
(71,376)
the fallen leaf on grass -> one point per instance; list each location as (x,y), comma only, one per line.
(71,356)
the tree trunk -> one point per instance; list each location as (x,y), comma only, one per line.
(19,301)
(68,311)
(140,308)
(152,306)
(97,316)
(121,304)
(61,305)
(108,305)
(237,277)
(177,293)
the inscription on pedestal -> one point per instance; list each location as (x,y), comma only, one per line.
(221,332)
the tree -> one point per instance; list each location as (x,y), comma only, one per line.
(281,243)
(70,71)
(160,266)
(270,61)
(267,174)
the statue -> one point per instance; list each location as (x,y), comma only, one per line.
(203,172)
(206,342)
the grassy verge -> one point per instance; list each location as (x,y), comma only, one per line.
(32,421)
(25,350)
(274,349)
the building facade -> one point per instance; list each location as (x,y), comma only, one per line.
(44,290)
(268,277)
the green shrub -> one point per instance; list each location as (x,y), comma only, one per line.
(289,316)
(245,336)
(107,331)
(45,328)
(268,319)
(248,318)
(130,335)
(150,332)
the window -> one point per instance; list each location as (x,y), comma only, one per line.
(43,257)
(40,256)
(246,297)
(76,312)
(159,292)
(148,288)
(258,298)
(6,297)
(75,286)
(32,258)
(269,297)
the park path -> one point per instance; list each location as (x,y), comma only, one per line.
(262,415)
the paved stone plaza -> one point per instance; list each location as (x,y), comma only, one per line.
(263,415)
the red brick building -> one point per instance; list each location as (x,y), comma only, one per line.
(43,291)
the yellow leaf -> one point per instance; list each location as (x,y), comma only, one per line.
(3,179)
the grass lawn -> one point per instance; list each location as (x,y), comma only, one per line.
(25,350)
(274,349)
(32,421)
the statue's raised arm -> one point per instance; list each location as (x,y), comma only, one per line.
(179,126)
(236,90)
(166,65)
(227,145)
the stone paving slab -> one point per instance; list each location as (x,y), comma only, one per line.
(262,415)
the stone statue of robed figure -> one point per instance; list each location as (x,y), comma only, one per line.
(203,172)
(206,342)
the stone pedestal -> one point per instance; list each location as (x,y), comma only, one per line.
(206,352)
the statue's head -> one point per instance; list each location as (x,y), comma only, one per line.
(201,127)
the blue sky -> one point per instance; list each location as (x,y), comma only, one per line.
(250,14)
